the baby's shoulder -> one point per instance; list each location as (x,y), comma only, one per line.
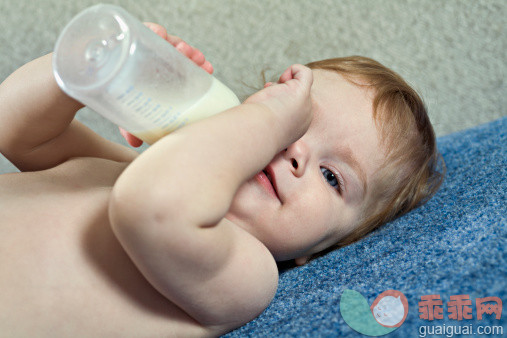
(76,172)
(246,284)
(255,267)
(71,175)
(90,170)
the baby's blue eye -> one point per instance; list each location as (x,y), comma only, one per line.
(330,178)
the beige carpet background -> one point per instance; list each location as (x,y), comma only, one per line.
(452,51)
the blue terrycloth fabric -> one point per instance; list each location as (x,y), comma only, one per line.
(453,245)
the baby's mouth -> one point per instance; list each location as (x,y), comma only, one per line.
(270,174)
(266,180)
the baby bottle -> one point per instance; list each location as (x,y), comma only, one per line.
(108,60)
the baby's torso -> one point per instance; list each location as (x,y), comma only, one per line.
(62,271)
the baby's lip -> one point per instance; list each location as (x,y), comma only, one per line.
(267,179)
(270,173)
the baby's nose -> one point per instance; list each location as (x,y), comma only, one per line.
(298,155)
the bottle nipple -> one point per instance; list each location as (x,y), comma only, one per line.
(97,52)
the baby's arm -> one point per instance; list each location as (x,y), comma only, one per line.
(168,207)
(38,129)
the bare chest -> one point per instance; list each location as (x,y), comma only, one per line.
(61,267)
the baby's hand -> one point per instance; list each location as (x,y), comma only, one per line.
(290,99)
(184,48)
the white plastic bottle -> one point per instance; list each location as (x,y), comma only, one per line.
(111,62)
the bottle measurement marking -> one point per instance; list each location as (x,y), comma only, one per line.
(144,106)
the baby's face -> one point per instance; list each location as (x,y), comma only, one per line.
(315,191)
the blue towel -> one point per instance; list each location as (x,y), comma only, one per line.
(453,245)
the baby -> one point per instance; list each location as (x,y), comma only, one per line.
(183,239)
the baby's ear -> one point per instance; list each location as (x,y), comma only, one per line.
(301,260)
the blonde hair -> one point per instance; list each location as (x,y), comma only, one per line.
(413,170)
